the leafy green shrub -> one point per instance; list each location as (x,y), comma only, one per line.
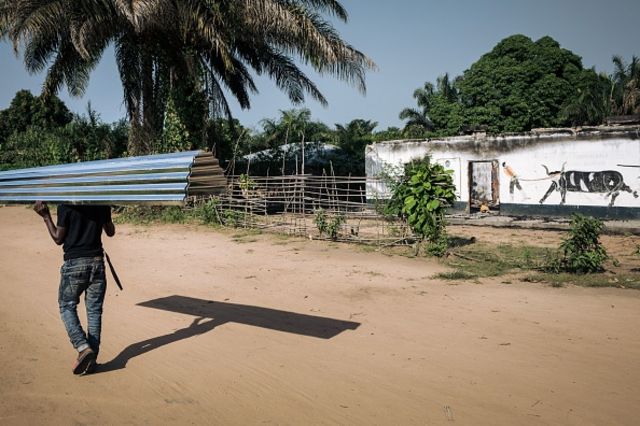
(439,246)
(37,147)
(173,214)
(581,252)
(208,212)
(333,228)
(329,225)
(246,183)
(421,198)
(320,220)
(233,218)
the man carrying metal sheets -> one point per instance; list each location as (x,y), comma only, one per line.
(79,231)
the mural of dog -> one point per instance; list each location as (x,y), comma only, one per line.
(609,182)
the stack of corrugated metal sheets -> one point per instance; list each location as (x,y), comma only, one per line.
(164,179)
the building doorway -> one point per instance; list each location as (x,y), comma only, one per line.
(484,186)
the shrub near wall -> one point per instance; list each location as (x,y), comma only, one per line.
(421,198)
(581,252)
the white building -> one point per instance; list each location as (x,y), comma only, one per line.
(548,172)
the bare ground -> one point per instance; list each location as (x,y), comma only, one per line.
(214,328)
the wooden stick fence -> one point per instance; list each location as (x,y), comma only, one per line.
(319,207)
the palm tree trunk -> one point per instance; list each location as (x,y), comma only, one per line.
(148,105)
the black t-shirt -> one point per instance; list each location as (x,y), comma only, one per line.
(84,228)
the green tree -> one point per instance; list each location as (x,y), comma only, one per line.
(226,138)
(418,118)
(37,147)
(592,103)
(625,93)
(389,134)
(290,127)
(352,138)
(439,110)
(84,138)
(92,139)
(27,110)
(520,85)
(196,48)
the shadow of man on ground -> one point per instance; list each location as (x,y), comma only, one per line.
(136,349)
(219,313)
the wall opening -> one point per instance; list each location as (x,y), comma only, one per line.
(484,186)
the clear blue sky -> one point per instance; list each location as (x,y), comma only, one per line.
(411,42)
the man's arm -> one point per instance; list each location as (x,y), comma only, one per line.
(109,229)
(57,233)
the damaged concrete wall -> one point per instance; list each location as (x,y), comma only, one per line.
(546,171)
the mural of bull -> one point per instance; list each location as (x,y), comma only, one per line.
(609,182)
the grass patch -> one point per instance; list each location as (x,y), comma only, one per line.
(456,275)
(622,280)
(204,213)
(484,260)
(282,239)
(246,236)
(145,215)
(367,248)
(458,241)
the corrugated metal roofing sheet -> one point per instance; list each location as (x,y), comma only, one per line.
(164,179)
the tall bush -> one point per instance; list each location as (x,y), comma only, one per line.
(581,251)
(421,198)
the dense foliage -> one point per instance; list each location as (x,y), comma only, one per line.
(27,111)
(625,93)
(421,197)
(196,52)
(38,132)
(519,85)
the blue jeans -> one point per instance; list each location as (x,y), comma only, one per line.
(80,275)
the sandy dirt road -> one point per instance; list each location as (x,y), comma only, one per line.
(213,329)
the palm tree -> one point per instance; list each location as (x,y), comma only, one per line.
(625,93)
(355,135)
(424,96)
(420,117)
(591,103)
(289,127)
(177,48)
(446,88)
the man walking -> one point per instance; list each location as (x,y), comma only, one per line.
(79,230)
(514,182)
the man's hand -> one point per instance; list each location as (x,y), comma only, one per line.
(57,233)
(42,209)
